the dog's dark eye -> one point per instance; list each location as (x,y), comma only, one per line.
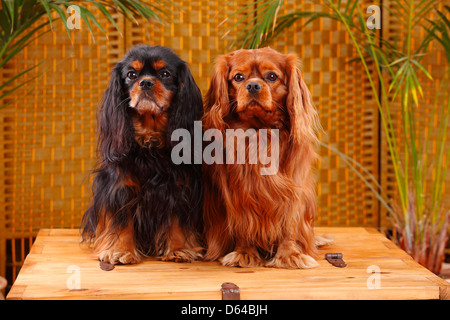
(238,77)
(271,76)
(164,74)
(132,75)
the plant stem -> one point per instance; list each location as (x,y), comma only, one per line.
(391,141)
(409,34)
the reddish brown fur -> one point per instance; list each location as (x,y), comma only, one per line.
(115,248)
(159,65)
(253,219)
(150,129)
(137,65)
(150,120)
(181,247)
(161,98)
(162,95)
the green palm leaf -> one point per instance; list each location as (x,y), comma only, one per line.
(22,21)
(261,17)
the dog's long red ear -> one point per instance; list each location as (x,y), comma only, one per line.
(304,126)
(217,104)
(303,115)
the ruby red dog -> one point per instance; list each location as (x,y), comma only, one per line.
(253,219)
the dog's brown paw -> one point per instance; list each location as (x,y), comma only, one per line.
(184,255)
(241,259)
(289,256)
(294,261)
(113,256)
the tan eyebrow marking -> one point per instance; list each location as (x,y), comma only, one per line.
(137,65)
(159,64)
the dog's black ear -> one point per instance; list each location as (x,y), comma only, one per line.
(114,125)
(188,104)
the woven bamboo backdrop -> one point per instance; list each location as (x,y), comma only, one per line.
(433,61)
(48,136)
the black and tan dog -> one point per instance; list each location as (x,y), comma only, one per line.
(143,204)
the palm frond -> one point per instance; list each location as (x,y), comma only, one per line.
(261,18)
(440,30)
(23,21)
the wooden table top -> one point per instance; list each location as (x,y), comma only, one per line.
(58,268)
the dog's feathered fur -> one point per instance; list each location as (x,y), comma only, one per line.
(253,219)
(143,204)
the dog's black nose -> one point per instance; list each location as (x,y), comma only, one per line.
(253,87)
(146,84)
